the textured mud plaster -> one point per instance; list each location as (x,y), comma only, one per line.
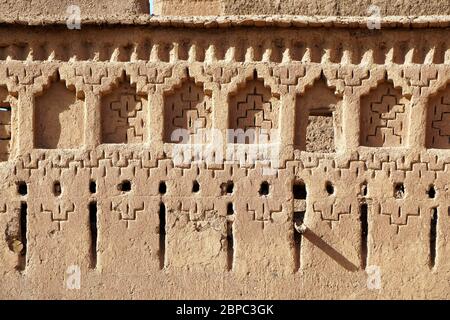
(301,7)
(94,202)
(188,7)
(57,8)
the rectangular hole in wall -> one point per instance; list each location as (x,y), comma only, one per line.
(320,133)
(299,190)
(23,236)
(230,246)
(364,234)
(93,223)
(162,235)
(299,218)
(433,237)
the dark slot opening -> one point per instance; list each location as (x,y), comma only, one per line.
(93,223)
(23,236)
(329,187)
(22,188)
(92,187)
(230,246)
(399,190)
(230,187)
(299,191)
(364,234)
(125,186)
(433,237)
(299,218)
(162,235)
(230,208)
(162,187)
(264,189)
(195,187)
(431,192)
(57,190)
(227,188)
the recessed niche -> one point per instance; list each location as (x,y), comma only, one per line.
(299,190)
(431,192)
(124,114)
(92,186)
(317,125)
(125,186)
(227,188)
(329,188)
(230,208)
(57,190)
(195,187)
(399,191)
(264,189)
(254,112)
(320,133)
(58,119)
(22,188)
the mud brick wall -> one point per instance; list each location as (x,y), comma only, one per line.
(89,181)
(301,7)
(41,9)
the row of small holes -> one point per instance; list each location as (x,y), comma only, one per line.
(399,191)
(299,189)
(300,192)
(22,188)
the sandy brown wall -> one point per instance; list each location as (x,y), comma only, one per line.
(90,184)
(301,7)
(33,9)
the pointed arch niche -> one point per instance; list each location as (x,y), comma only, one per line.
(58,118)
(124,115)
(384,117)
(253,111)
(438,120)
(187,107)
(317,119)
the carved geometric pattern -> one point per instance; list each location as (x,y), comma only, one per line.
(263,211)
(253,108)
(186,108)
(399,212)
(126,209)
(331,210)
(438,124)
(384,117)
(123,116)
(59,212)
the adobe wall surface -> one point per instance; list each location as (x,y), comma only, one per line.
(35,9)
(188,8)
(98,200)
(301,7)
